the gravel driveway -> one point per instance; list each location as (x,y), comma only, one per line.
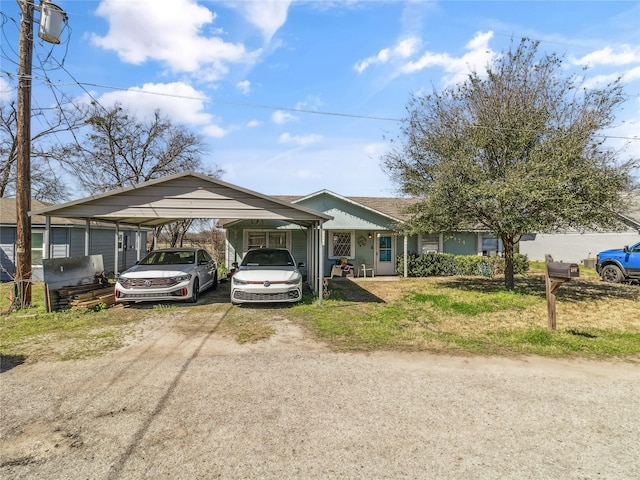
(183,401)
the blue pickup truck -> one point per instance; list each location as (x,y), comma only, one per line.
(619,265)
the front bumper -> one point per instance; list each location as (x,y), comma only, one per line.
(272,294)
(181,291)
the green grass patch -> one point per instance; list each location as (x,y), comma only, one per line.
(475,304)
(476,316)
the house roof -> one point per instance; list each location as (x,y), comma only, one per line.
(180,196)
(632,216)
(391,207)
(9,213)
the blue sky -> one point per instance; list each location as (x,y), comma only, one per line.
(293,97)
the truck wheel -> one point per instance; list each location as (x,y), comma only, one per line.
(612,274)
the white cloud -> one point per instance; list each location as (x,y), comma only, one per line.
(281,117)
(254,123)
(214,131)
(141,30)
(7,91)
(631,75)
(312,102)
(402,50)
(266,15)
(301,140)
(478,56)
(244,86)
(624,55)
(178,101)
(375,150)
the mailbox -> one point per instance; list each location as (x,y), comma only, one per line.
(563,270)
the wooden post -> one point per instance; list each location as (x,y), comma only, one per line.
(23,152)
(552,285)
(551,299)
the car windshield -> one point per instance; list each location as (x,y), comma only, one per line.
(169,258)
(267,258)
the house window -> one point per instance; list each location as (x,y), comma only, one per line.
(36,248)
(266,238)
(429,243)
(341,244)
(491,246)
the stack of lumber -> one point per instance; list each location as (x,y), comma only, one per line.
(79,296)
(93,298)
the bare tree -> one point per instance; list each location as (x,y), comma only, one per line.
(120,150)
(514,151)
(46,183)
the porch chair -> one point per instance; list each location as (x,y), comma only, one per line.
(363,269)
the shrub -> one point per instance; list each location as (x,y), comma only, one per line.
(446,264)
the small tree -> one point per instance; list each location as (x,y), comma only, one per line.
(514,152)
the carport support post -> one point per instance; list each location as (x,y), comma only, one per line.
(46,248)
(115,256)
(87,237)
(320,262)
(138,243)
(406,261)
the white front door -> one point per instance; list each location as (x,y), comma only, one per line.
(385,259)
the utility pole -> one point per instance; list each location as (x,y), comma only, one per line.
(51,19)
(23,174)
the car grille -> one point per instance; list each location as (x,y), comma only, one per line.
(266,297)
(149,283)
(148,295)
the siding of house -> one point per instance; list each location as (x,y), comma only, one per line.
(574,247)
(69,242)
(7,253)
(462,244)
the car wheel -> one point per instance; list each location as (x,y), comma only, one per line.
(215,281)
(195,291)
(612,274)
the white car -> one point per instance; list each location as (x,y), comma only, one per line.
(169,274)
(267,275)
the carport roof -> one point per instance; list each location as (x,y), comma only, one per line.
(181,196)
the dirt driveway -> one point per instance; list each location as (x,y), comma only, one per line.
(183,401)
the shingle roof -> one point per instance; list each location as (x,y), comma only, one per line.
(391,206)
(9,214)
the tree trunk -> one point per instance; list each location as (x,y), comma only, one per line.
(509,245)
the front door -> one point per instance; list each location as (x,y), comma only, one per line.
(385,261)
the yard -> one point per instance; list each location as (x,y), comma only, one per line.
(450,315)
(342,391)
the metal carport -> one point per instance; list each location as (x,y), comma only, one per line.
(190,195)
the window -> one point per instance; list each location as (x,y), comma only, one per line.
(491,246)
(36,248)
(429,243)
(266,239)
(341,244)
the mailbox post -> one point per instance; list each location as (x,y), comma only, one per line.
(557,274)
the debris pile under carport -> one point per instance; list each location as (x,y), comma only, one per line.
(79,296)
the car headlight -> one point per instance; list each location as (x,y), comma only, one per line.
(237,281)
(122,279)
(181,278)
(294,281)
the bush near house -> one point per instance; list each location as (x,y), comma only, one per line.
(447,264)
